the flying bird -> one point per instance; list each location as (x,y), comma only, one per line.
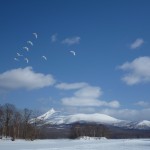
(26,48)
(19,55)
(35,34)
(30,42)
(73,52)
(44,57)
(27,60)
(16,59)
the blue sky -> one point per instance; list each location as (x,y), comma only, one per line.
(110,72)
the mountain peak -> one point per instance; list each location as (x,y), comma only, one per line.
(47,114)
(52,110)
(144,123)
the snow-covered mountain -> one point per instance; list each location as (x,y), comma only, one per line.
(57,118)
(143,124)
(47,114)
(95,118)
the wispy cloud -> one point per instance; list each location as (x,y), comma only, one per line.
(138,71)
(25,78)
(71,41)
(72,86)
(128,114)
(54,37)
(143,104)
(137,43)
(85,95)
(74,110)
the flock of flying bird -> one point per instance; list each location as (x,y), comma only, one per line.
(27,49)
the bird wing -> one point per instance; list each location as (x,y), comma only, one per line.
(35,34)
(73,52)
(27,60)
(16,59)
(26,48)
(44,57)
(18,54)
(30,42)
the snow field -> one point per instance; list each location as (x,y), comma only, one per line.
(80,144)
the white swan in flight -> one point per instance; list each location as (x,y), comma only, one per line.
(73,52)
(30,42)
(16,59)
(26,48)
(27,60)
(18,54)
(44,57)
(35,34)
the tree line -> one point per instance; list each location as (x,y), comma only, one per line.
(16,123)
(88,130)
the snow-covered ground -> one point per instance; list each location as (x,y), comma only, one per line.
(80,144)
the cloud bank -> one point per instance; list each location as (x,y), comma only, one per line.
(85,95)
(138,71)
(25,78)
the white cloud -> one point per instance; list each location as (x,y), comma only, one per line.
(85,95)
(137,43)
(71,41)
(72,86)
(128,114)
(89,92)
(113,104)
(138,71)
(142,104)
(25,78)
(74,110)
(82,102)
(54,37)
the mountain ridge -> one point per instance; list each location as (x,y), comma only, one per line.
(57,118)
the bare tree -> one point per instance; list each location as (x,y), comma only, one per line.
(17,121)
(88,130)
(26,125)
(1,121)
(8,110)
(35,123)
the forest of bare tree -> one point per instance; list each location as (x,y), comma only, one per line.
(15,123)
